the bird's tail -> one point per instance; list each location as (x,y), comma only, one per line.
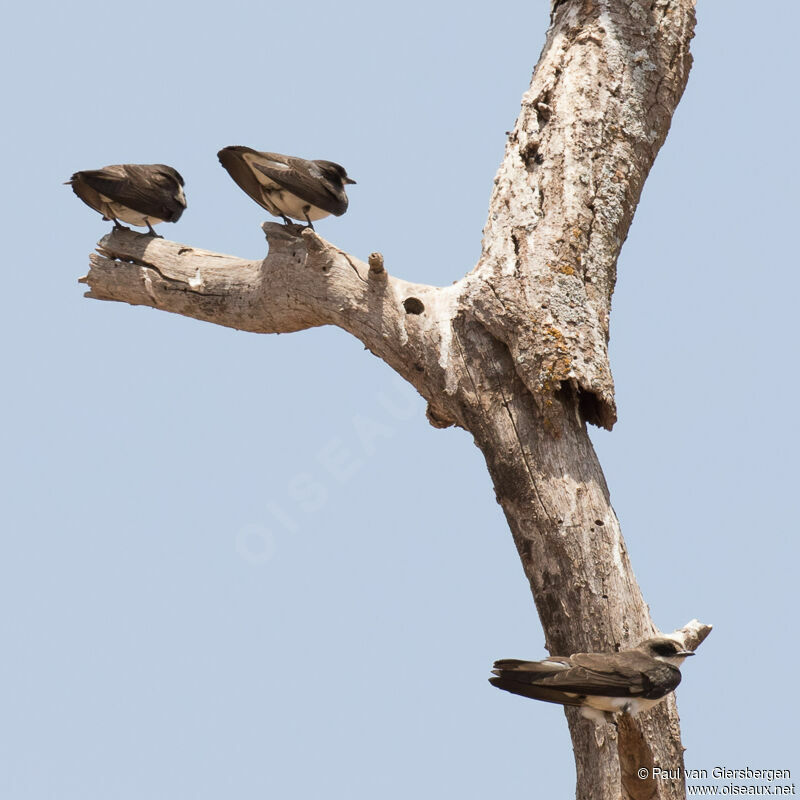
(519,677)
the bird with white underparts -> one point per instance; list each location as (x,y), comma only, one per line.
(600,684)
(288,187)
(139,194)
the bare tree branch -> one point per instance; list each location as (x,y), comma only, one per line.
(303,283)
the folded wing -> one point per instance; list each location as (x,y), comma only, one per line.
(304,179)
(569,680)
(145,188)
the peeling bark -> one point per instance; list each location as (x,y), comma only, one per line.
(515,352)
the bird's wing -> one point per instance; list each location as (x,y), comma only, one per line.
(304,179)
(141,187)
(589,674)
(631,675)
(535,692)
(530,670)
(233,159)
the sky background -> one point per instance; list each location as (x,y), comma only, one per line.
(193,604)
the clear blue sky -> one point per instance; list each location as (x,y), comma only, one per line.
(181,616)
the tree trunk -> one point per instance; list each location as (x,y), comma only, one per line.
(515,352)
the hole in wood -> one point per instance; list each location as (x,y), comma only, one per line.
(413,305)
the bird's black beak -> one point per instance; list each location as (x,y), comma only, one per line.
(684,653)
(349,180)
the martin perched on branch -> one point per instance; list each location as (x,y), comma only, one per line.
(139,194)
(630,681)
(287,186)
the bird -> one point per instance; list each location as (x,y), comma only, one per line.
(288,187)
(600,684)
(139,194)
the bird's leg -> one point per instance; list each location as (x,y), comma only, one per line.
(305,214)
(117,224)
(152,232)
(286,220)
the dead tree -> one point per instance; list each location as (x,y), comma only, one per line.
(516,351)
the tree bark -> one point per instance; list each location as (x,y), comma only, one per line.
(515,352)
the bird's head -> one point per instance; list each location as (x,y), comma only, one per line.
(335,171)
(665,649)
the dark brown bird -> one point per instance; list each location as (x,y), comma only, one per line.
(286,186)
(139,194)
(631,680)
